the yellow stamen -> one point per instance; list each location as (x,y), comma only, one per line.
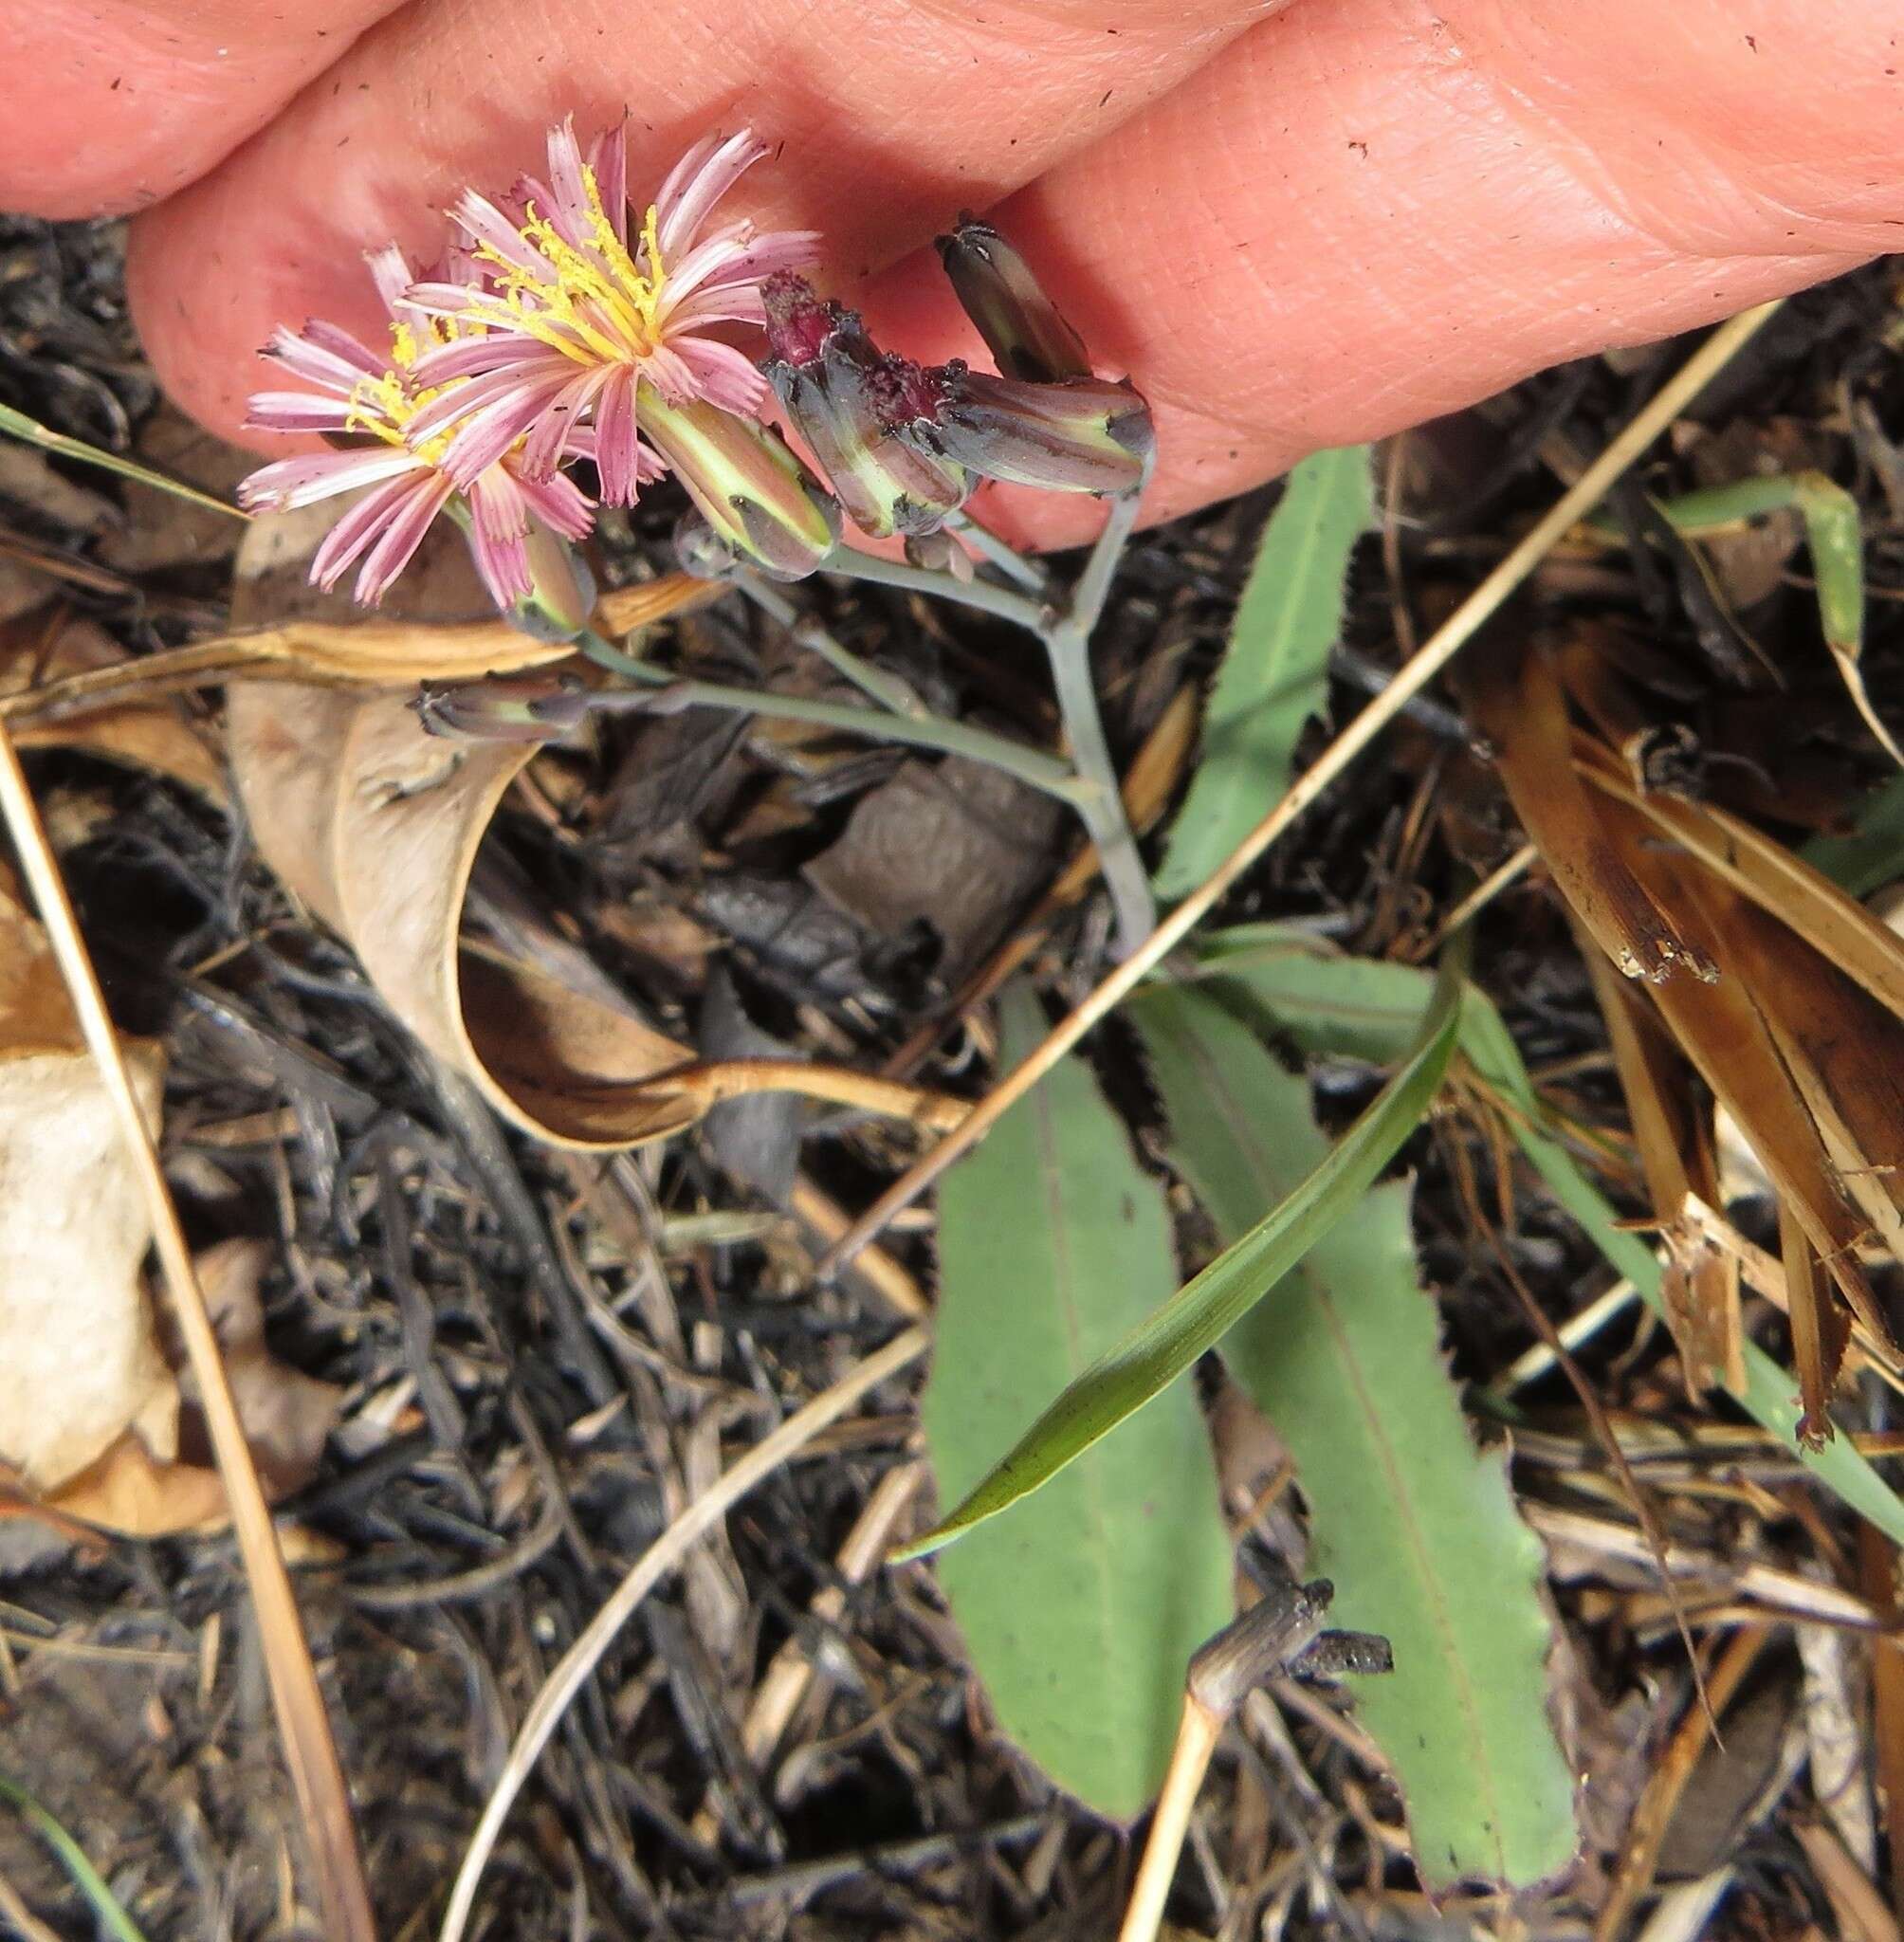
(595,305)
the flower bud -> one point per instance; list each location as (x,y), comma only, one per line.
(939,553)
(746,483)
(561,593)
(839,390)
(996,288)
(1081,435)
(503,707)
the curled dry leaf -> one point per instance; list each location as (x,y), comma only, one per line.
(376,824)
(1796,1029)
(78,1363)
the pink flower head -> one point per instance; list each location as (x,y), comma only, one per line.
(375,403)
(582,313)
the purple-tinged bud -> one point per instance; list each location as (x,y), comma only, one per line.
(1021,326)
(836,388)
(1082,434)
(746,482)
(503,707)
(939,553)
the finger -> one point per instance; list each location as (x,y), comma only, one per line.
(893,116)
(1366,215)
(129,103)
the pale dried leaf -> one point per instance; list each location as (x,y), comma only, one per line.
(78,1359)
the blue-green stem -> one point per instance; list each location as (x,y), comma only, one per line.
(811,633)
(1030,765)
(1028,573)
(1066,633)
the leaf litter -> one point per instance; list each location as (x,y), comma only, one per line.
(533,1382)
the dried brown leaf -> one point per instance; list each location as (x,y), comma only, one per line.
(150,734)
(1514,698)
(374,824)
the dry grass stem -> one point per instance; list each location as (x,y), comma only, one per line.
(310,1754)
(654,1563)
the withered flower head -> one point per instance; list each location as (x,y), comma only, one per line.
(844,397)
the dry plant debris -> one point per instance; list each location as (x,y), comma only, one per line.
(440,1024)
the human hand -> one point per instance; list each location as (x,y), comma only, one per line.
(1294,227)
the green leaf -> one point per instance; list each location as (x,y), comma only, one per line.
(1081,1612)
(1873,855)
(1253,961)
(1290,983)
(1152,1355)
(1417,1527)
(1274,674)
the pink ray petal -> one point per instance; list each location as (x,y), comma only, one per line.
(286,482)
(721,375)
(697,182)
(357,527)
(401,535)
(560,503)
(297,410)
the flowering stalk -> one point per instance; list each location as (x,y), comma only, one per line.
(537,706)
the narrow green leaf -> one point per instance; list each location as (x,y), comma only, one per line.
(1081,1612)
(1873,855)
(105,1905)
(1166,1343)
(1414,1526)
(1247,960)
(1835,540)
(1274,674)
(31,431)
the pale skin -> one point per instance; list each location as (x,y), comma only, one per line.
(1296,226)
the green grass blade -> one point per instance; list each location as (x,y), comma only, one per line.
(1275,675)
(1415,1527)
(31,431)
(72,1856)
(1873,855)
(1152,1355)
(1080,1612)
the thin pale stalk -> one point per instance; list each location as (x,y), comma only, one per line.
(31,431)
(310,1754)
(810,633)
(661,1557)
(1448,640)
(1001,602)
(1067,642)
(1197,1731)
(1031,765)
